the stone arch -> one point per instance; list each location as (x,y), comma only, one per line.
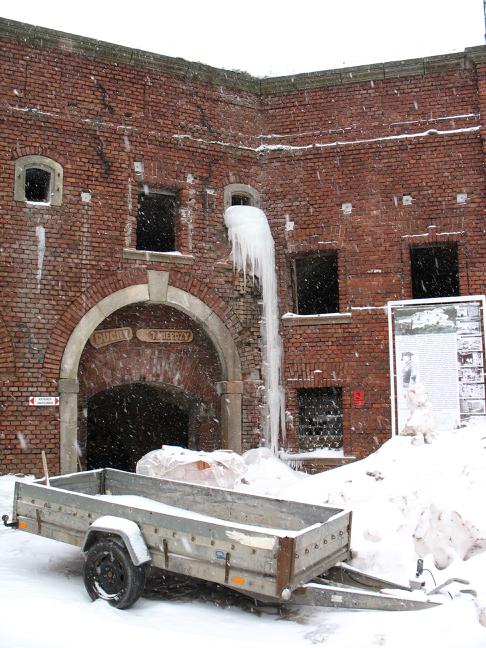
(158,291)
(41,162)
(244,189)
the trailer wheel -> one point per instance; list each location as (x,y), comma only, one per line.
(109,574)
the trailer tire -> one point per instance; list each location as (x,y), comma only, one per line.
(110,574)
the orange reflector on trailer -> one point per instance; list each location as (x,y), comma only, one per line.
(237,580)
(22,525)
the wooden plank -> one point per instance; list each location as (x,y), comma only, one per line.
(319,543)
(325,562)
(83,482)
(285,563)
(250,509)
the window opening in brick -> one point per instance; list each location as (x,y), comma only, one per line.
(156,230)
(320,413)
(37,185)
(240,199)
(435,271)
(240,194)
(317,285)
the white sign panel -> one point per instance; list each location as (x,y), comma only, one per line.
(438,343)
(43,401)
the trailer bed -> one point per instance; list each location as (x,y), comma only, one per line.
(262,546)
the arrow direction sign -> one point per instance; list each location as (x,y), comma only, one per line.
(43,401)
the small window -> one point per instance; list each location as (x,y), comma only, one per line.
(37,185)
(320,412)
(435,271)
(156,228)
(240,199)
(316,284)
(241,194)
(38,180)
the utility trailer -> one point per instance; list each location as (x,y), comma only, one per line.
(273,550)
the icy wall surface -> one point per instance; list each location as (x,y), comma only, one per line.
(253,252)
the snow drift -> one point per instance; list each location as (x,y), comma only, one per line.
(413,501)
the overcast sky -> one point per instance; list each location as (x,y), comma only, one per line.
(269,37)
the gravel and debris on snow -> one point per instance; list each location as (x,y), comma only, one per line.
(408,501)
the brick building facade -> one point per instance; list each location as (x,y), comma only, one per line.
(355,170)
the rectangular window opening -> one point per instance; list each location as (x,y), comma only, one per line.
(156,223)
(317,284)
(37,185)
(435,271)
(240,199)
(320,412)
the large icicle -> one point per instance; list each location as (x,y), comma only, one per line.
(254,253)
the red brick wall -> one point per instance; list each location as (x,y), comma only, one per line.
(196,131)
(365,144)
(97,118)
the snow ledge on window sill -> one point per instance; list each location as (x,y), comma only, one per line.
(38,203)
(160,257)
(320,457)
(324,318)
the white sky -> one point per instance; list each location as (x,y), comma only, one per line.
(269,37)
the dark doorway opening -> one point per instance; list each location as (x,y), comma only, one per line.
(127,421)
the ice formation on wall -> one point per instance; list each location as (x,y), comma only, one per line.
(254,254)
(40,233)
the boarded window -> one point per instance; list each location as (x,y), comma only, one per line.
(316,284)
(320,413)
(37,185)
(156,222)
(435,271)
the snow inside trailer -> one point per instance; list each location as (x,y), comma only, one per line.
(266,547)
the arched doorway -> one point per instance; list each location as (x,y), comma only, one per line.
(127,421)
(157,290)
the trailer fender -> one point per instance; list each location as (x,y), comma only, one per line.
(126,530)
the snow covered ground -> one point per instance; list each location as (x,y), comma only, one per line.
(408,500)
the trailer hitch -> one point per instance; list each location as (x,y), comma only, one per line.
(12,525)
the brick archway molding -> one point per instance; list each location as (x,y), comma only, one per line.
(157,290)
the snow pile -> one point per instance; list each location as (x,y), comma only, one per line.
(253,251)
(221,468)
(266,475)
(411,501)
(420,424)
(256,471)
